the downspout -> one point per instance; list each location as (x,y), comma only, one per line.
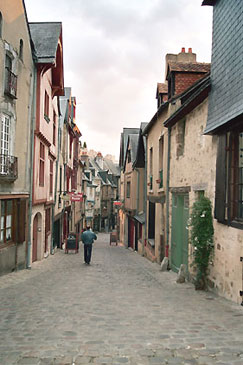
(32,137)
(137,197)
(145,190)
(55,193)
(167,194)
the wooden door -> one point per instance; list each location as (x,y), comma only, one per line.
(35,239)
(179,231)
(130,233)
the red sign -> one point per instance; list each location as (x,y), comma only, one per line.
(76,197)
(117,203)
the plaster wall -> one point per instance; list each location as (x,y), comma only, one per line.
(157,193)
(14,29)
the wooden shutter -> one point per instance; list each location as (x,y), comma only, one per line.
(22,220)
(220,193)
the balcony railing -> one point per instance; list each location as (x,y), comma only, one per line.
(8,167)
(10,83)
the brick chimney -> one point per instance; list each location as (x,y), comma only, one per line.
(183,70)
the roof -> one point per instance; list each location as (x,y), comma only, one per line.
(140,218)
(143,126)
(162,88)
(162,107)
(192,97)
(113,167)
(198,67)
(63,100)
(45,37)
(133,140)
(209,2)
(123,143)
(140,156)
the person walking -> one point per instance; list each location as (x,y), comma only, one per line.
(88,238)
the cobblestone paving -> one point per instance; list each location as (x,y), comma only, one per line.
(119,310)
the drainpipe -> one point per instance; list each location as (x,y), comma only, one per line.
(137,197)
(167,194)
(55,193)
(145,189)
(32,140)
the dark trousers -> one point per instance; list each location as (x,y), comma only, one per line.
(87,253)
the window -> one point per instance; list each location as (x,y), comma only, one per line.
(70,145)
(5,143)
(180,138)
(42,165)
(151,168)
(229,178)
(60,181)
(128,189)
(21,45)
(10,88)
(161,161)
(151,228)
(46,108)
(51,176)
(54,128)
(6,215)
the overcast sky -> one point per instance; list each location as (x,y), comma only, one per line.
(114,52)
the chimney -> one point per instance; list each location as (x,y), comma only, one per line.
(183,50)
(189,50)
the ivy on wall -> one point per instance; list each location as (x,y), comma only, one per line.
(202,231)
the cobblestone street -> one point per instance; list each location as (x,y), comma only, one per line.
(119,310)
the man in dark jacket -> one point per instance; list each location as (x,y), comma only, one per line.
(88,238)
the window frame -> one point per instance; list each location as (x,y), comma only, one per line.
(51,177)
(4,228)
(46,107)
(42,165)
(128,190)
(227,179)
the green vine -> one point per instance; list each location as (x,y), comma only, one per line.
(201,223)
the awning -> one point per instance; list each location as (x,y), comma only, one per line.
(140,218)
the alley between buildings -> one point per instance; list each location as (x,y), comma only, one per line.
(120,309)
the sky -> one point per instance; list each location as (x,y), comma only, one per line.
(114,55)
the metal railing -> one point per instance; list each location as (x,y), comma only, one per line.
(8,167)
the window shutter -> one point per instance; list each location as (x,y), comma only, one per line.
(220,194)
(22,220)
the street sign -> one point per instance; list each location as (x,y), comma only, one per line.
(78,197)
(116,202)
(65,197)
